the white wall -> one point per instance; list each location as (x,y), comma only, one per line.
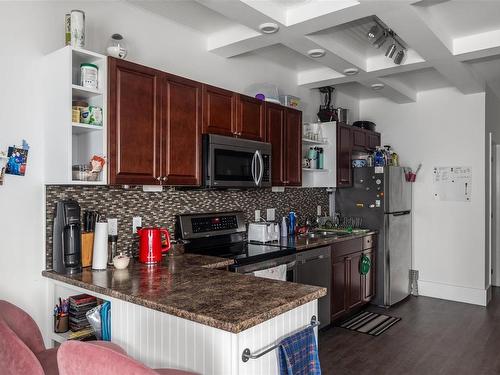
(443,128)
(30,30)
(492,111)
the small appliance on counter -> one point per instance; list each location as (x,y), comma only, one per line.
(67,242)
(151,246)
(263,232)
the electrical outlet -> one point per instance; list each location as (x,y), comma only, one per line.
(136,222)
(318,210)
(271,214)
(257,216)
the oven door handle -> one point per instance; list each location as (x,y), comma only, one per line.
(261,167)
(253,167)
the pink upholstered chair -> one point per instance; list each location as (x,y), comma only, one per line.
(22,350)
(80,358)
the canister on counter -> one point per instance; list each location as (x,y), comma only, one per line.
(88,75)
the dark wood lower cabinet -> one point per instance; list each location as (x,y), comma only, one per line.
(350,289)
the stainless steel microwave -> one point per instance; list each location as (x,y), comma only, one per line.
(235,162)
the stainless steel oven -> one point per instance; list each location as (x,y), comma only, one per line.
(289,260)
(234,162)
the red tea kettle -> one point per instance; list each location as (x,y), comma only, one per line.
(151,247)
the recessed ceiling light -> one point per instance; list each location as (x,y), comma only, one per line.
(351,71)
(315,53)
(378,86)
(269,27)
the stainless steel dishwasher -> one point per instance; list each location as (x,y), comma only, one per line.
(314,267)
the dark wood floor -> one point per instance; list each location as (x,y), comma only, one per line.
(434,337)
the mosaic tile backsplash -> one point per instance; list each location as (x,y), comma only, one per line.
(159,209)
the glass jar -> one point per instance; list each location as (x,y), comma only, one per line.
(117,47)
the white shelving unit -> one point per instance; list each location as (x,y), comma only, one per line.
(68,143)
(326,177)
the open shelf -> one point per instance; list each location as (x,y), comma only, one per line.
(313,142)
(80,92)
(315,170)
(79,128)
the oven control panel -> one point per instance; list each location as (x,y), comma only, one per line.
(193,226)
(213,224)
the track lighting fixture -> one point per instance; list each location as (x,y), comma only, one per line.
(373,32)
(379,34)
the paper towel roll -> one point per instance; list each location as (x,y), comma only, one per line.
(100,253)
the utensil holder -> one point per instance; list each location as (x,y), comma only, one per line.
(61,323)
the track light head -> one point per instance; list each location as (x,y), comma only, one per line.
(399,57)
(391,50)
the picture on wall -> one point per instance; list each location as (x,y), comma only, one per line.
(16,164)
(3,166)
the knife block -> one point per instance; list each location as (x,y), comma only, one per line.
(87,248)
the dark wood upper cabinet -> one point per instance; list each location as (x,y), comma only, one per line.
(284,132)
(219,111)
(344,155)
(134,123)
(250,118)
(359,139)
(372,140)
(181,131)
(293,146)
(154,127)
(275,120)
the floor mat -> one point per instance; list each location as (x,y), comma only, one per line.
(370,323)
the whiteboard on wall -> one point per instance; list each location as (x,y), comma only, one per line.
(452,184)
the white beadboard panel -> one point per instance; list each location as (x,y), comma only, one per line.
(160,340)
(164,341)
(270,333)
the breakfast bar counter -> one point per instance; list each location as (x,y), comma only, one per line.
(194,287)
(188,313)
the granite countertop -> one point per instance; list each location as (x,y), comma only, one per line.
(301,243)
(191,287)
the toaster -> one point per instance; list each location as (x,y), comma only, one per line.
(263,232)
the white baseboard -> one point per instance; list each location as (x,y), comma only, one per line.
(453,292)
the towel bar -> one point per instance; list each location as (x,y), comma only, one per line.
(246,355)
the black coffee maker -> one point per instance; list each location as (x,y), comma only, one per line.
(67,241)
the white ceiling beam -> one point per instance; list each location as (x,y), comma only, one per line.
(408,23)
(477,46)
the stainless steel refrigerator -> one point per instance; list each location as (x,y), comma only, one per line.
(382,197)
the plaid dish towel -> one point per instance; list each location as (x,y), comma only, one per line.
(298,354)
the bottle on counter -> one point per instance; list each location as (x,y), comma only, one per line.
(291,223)
(284,231)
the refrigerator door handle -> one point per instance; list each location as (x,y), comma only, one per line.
(401,213)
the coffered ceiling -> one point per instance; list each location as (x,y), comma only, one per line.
(450,42)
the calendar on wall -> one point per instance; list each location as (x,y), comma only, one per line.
(452,184)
